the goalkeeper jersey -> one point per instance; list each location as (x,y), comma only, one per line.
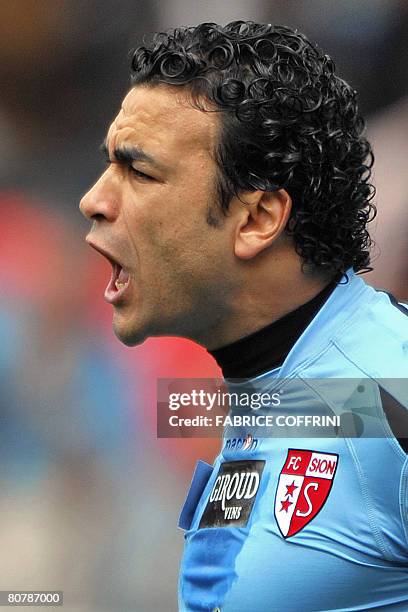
(311,523)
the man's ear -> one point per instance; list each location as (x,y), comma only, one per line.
(265,215)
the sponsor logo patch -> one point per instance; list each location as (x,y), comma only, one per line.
(249,443)
(233,494)
(303,488)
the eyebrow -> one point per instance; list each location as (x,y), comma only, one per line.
(129,154)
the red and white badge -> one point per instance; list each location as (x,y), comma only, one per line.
(304,485)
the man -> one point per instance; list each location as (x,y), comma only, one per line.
(234,212)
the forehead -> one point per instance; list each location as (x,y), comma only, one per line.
(161,120)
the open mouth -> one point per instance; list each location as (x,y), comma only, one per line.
(119,281)
(118,284)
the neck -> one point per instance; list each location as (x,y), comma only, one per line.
(262,303)
(268,348)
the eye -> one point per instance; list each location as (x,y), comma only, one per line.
(140,174)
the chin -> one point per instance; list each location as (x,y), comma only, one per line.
(129,336)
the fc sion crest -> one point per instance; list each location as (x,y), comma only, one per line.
(304,485)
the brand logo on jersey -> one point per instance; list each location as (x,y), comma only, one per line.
(233,494)
(249,443)
(304,485)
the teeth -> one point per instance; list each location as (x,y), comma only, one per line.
(121,278)
(119,285)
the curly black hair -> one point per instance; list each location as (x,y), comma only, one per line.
(287,122)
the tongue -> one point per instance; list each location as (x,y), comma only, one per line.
(123,276)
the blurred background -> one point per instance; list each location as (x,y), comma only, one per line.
(89,497)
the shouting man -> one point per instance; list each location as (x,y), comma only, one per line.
(234,212)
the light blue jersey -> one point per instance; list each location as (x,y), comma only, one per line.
(301,524)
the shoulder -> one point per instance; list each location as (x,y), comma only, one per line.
(375,340)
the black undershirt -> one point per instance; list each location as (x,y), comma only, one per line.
(268,347)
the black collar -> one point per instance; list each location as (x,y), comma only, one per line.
(268,347)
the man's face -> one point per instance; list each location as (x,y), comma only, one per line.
(171,269)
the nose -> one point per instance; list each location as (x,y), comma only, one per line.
(101,201)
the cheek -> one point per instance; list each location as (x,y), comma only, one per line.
(137,229)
